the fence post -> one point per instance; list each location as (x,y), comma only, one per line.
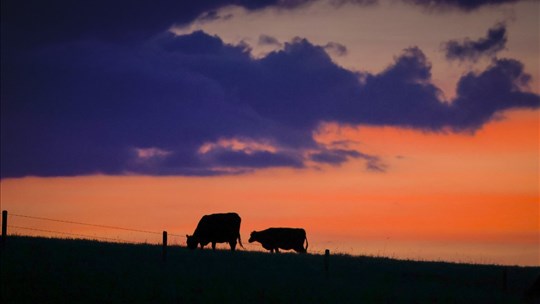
(164,250)
(4,226)
(326,262)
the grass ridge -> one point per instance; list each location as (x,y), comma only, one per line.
(49,270)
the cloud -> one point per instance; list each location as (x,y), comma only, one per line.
(464,5)
(194,105)
(337,157)
(434,5)
(35,22)
(245,153)
(335,48)
(334,157)
(339,3)
(263,159)
(481,96)
(213,16)
(474,49)
(269,40)
(121,21)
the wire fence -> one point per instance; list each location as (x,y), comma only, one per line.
(85,224)
(48,232)
(21,229)
(70,234)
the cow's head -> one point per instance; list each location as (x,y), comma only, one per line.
(253,237)
(192,241)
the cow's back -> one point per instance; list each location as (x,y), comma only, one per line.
(219,227)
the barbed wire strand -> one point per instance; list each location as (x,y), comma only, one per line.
(106,238)
(93,225)
(68,233)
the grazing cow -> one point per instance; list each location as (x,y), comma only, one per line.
(285,238)
(216,228)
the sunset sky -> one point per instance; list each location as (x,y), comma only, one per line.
(403,128)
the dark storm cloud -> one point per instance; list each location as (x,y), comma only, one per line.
(474,49)
(193,105)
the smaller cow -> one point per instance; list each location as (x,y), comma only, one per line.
(274,239)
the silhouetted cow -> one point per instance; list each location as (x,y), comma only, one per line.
(216,228)
(274,239)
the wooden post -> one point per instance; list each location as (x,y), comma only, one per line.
(326,261)
(4,226)
(164,251)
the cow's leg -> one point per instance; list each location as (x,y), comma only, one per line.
(233,245)
(213,245)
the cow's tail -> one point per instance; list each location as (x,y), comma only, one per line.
(306,243)
(240,241)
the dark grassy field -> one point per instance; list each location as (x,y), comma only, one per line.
(42,270)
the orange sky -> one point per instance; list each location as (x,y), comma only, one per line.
(461,197)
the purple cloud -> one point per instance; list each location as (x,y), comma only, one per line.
(34,22)
(31,23)
(268,40)
(474,49)
(464,5)
(194,105)
(336,48)
(339,156)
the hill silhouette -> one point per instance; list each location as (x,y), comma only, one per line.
(46,270)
